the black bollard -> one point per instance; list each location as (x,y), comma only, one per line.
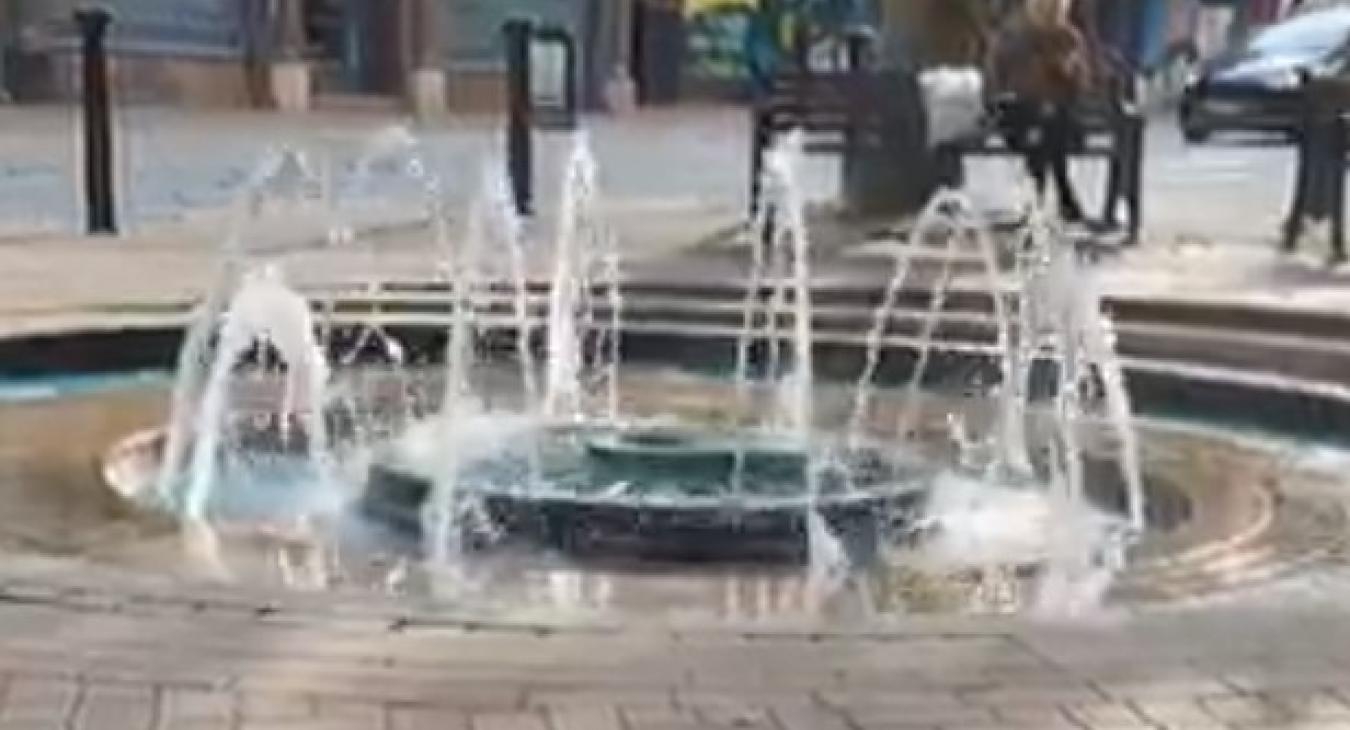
(93,25)
(520,113)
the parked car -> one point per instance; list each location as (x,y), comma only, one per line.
(1257,88)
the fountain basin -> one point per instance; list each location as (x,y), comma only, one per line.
(661,493)
(686,449)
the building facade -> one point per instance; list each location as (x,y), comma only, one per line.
(294,54)
(206,36)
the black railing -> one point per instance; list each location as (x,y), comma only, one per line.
(814,99)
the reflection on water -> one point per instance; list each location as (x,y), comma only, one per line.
(51,500)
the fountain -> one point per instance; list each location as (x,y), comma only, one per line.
(542,439)
(577,474)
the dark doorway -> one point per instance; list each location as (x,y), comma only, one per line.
(658,50)
(356,45)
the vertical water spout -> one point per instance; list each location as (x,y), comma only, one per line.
(499,219)
(1098,345)
(794,215)
(563,389)
(789,256)
(442,511)
(751,305)
(1012,456)
(611,278)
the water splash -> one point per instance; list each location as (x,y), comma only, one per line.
(264,313)
(282,175)
(783,232)
(394,145)
(994,517)
(442,512)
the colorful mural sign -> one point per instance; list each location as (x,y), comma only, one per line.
(740,39)
(715,37)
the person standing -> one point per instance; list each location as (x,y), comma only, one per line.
(1040,69)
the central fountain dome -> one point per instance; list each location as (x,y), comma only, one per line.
(668,492)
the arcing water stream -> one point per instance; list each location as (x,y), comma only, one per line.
(567,446)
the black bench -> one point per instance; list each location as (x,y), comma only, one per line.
(1113,129)
(827,104)
(1323,148)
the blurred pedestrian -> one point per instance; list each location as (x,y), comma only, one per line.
(956,33)
(1040,70)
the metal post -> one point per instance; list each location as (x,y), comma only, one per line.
(570,85)
(93,25)
(1300,205)
(520,112)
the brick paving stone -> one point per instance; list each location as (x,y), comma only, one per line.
(105,707)
(693,697)
(1031,696)
(1157,683)
(508,721)
(30,700)
(184,708)
(872,697)
(804,716)
(426,718)
(591,697)
(311,724)
(732,715)
(1249,680)
(474,696)
(659,719)
(1108,716)
(257,706)
(356,714)
(581,718)
(1317,705)
(1246,709)
(917,715)
(901,724)
(1177,714)
(1290,725)
(1047,717)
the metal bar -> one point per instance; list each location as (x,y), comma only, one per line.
(93,25)
(520,112)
